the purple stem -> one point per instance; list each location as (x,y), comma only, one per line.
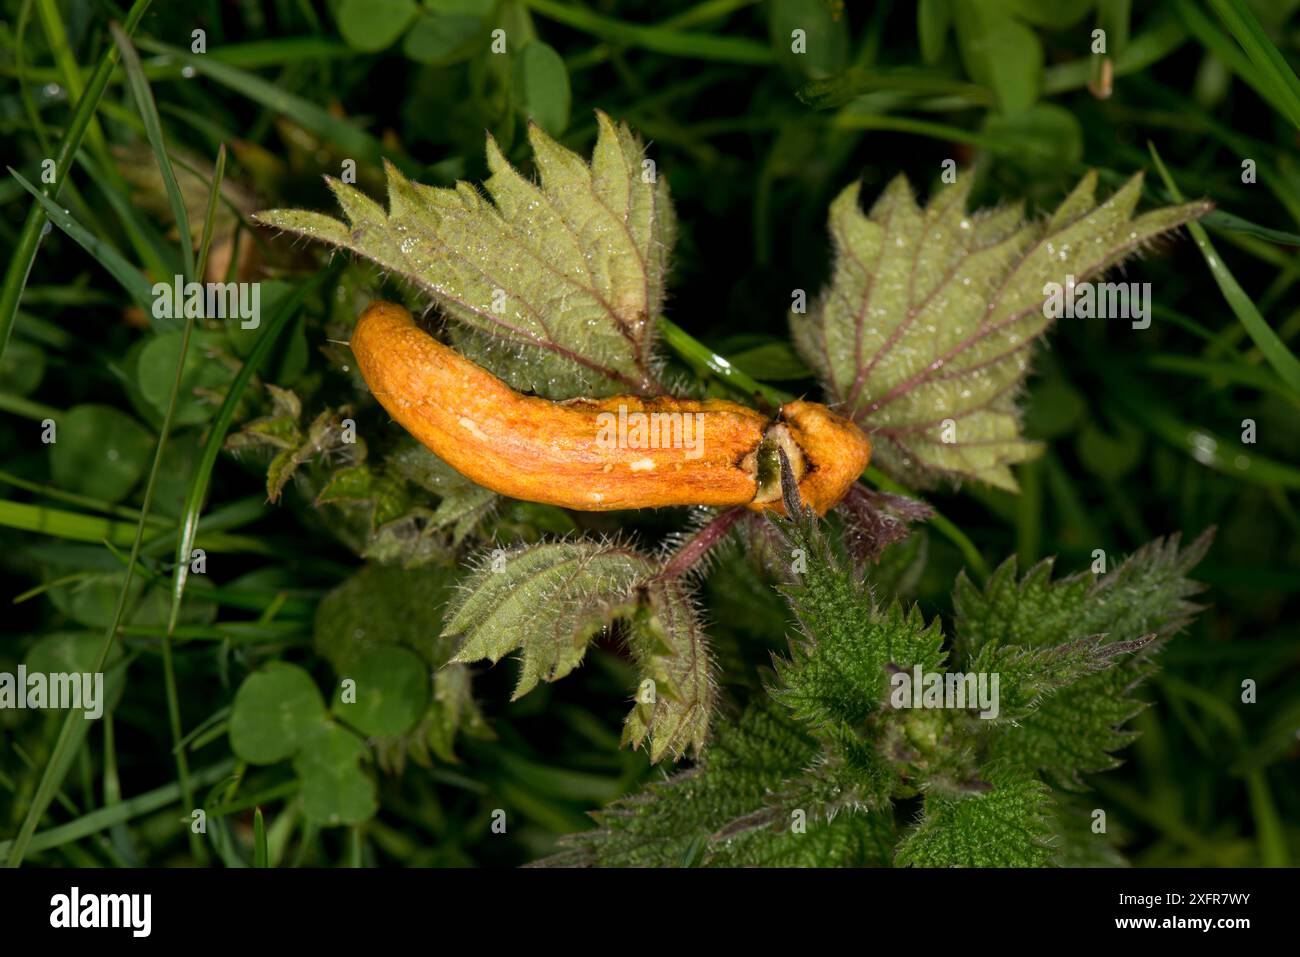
(699,544)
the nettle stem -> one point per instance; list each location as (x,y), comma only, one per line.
(695,548)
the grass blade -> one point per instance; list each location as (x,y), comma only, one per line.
(130,278)
(169,667)
(198,488)
(29,240)
(259,840)
(148,110)
(347,137)
(101,820)
(210,220)
(1269,342)
(656,38)
(1273,68)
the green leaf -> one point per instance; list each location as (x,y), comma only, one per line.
(933,17)
(275,711)
(836,674)
(737,808)
(683,43)
(371,25)
(924,334)
(1273,69)
(1055,408)
(1041,140)
(1000,52)
(335,789)
(386,622)
(1147,593)
(463,505)
(453,710)
(76,652)
(206,377)
(771,361)
(657,827)
(1027,676)
(1078,728)
(21,367)
(542,87)
(1076,843)
(381,605)
(785,838)
(121,269)
(360,485)
(1006,826)
(825,36)
(100,451)
(148,110)
(674,700)
(91,599)
(28,241)
(391,690)
(1110,456)
(582,586)
(566,277)
(442,39)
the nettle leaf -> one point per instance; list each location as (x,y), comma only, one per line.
(924,334)
(462,505)
(360,486)
(1006,826)
(581,585)
(837,672)
(1077,729)
(1148,592)
(675,697)
(737,808)
(1027,676)
(668,823)
(1075,841)
(563,280)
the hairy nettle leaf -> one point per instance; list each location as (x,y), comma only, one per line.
(582,587)
(924,333)
(1076,726)
(1006,827)
(737,807)
(557,286)
(675,697)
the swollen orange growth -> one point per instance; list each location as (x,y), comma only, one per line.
(599,454)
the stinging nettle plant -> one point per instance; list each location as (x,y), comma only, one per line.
(923,337)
